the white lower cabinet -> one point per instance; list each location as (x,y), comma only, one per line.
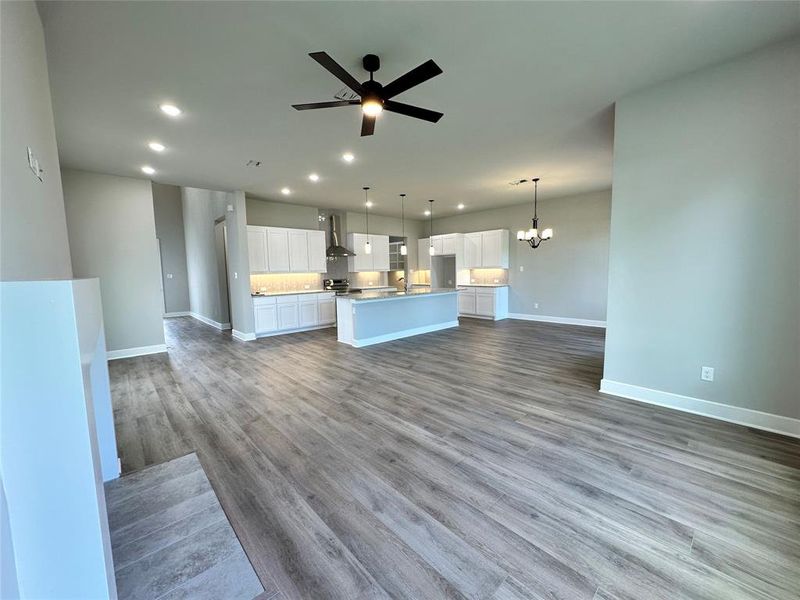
(483,302)
(293,312)
(309,313)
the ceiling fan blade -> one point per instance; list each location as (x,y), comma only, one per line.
(414,77)
(367,125)
(412,111)
(335,103)
(338,71)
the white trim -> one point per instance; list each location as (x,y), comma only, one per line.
(723,412)
(180,313)
(388,337)
(245,337)
(562,320)
(296,330)
(208,321)
(139,351)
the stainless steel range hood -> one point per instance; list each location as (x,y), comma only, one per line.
(336,250)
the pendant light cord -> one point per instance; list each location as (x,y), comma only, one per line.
(403,215)
(366,206)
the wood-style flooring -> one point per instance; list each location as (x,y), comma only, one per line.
(170,538)
(477,462)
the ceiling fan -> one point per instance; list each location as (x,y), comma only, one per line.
(374,97)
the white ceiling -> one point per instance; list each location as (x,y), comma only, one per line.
(528,89)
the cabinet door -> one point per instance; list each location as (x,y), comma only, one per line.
(308,313)
(438,245)
(492,249)
(317,263)
(278,250)
(472,250)
(257,248)
(380,252)
(466,302)
(327,311)
(449,244)
(362,261)
(298,251)
(423,256)
(287,316)
(484,304)
(266,319)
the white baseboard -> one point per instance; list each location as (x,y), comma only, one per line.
(723,412)
(562,320)
(298,330)
(139,351)
(245,337)
(208,321)
(183,313)
(403,334)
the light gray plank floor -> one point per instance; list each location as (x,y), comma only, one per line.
(478,462)
(170,538)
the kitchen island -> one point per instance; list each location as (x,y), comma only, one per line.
(375,317)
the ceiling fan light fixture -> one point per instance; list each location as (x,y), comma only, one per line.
(371,107)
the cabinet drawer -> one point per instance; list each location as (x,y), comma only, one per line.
(264,301)
(294,298)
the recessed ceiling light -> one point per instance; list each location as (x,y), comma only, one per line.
(171,110)
(460,207)
(314,177)
(156,147)
(286,191)
(427,213)
(147,169)
(348,157)
(369,203)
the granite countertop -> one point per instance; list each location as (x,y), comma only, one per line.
(487,285)
(359,297)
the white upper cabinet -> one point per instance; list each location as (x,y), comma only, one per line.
(449,243)
(487,249)
(380,252)
(423,255)
(473,244)
(438,245)
(377,260)
(317,263)
(281,250)
(257,248)
(278,250)
(298,251)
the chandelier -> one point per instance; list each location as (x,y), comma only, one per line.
(534,236)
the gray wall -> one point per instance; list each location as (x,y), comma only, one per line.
(567,276)
(112,235)
(168,210)
(280,214)
(200,210)
(705,235)
(33,229)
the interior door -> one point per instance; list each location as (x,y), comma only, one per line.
(278,250)
(298,251)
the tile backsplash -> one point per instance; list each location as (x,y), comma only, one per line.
(368,279)
(488,276)
(285,282)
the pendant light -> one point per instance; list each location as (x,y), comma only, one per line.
(367,245)
(533,237)
(430,237)
(403,248)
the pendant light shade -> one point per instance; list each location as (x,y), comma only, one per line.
(533,236)
(367,245)
(430,236)
(403,248)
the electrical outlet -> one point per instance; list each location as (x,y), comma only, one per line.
(306,286)
(707,373)
(535,305)
(497,281)
(521,268)
(169,275)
